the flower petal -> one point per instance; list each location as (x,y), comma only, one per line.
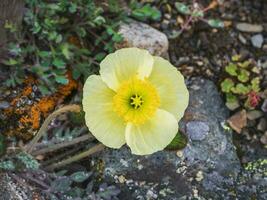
(124,64)
(154,135)
(170,85)
(100,118)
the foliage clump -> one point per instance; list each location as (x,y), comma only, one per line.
(241,84)
(59,36)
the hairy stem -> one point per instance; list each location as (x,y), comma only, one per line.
(43,129)
(75,158)
(65,144)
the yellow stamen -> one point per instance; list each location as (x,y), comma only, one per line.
(136,100)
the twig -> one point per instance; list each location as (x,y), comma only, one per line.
(42,131)
(75,158)
(62,145)
(61,156)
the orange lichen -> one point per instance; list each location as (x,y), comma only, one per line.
(30,116)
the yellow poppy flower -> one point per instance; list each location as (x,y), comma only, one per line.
(137,99)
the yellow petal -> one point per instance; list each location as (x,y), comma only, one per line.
(152,136)
(171,88)
(100,118)
(124,64)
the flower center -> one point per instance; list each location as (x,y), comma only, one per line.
(136,100)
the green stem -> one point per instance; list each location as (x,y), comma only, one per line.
(43,129)
(75,158)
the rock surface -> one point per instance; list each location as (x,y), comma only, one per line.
(207,168)
(137,34)
(11,189)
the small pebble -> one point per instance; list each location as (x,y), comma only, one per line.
(262,125)
(264,138)
(254,114)
(4,104)
(250,28)
(199,176)
(257,40)
(264,106)
(122,179)
(180,154)
(242,39)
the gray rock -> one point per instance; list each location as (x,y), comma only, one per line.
(262,125)
(12,189)
(4,104)
(257,40)
(137,34)
(264,106)
(177,176)
(242,39)
(252,28)
(197,130)
(254,114)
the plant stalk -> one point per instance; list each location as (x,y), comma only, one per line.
(43,129)
(75,158)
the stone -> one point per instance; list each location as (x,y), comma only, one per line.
(4,104)
(176,176)
(138,34)
(263,138)
(264,106)
(251,28)
(12,189)
(242,39)
(254,114)
(232,105)
(197,130)
(262,125)
(257,40)
(238,121)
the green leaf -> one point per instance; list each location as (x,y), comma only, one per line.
(244,64)
(28,161)
(7,165)
(44,54)
(76,73)
(230,98)
(182,8)
(73,8)
(59,38)
(227,85)
(216,23)
(65,49)
(255,84)
(59,63)
(44,90)
(117,37)
(236,57)
(243,75)
(198,13)
(100,56)
(61,184)
(179,142)
(62,80)
(146,12)
(240,89)
(231,69)
(11,62)
(99,20)
(80,176)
